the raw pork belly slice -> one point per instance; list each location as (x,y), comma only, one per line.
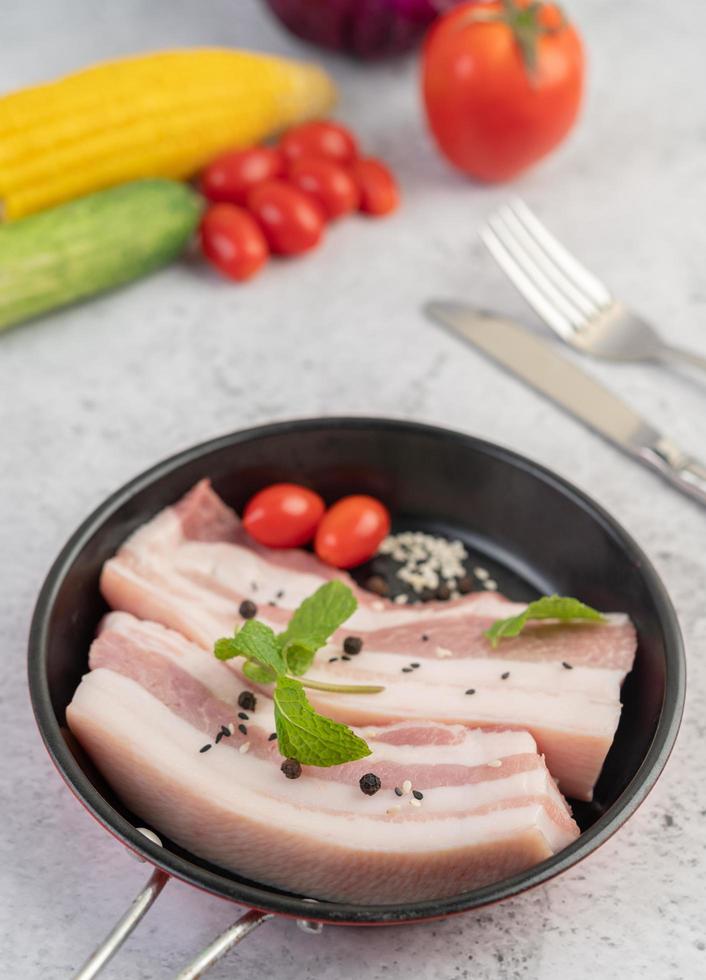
(152,701)
(191,566)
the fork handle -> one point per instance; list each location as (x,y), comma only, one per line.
(680,356)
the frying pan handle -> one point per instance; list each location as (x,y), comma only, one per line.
(235,934)
(122,929)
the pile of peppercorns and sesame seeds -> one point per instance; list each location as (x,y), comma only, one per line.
(413,566)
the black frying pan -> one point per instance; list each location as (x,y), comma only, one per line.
(534,530)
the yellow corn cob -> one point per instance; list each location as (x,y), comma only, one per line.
(155,115)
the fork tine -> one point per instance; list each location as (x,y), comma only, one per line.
(534,296)
(546,263)
(591,286)
(553,297)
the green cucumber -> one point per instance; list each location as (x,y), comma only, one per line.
(92,244)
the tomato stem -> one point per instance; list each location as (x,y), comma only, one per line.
(525,23)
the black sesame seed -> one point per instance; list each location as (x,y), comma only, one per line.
(567,666)
(272,603)
(352,645)
(291,768)
(417,794)
(344,657)
(247,609)
(242,728)
(415,665)
(272,737)
(465,585)
(247,700)
(369,783)
(424,637)
(471,690)
(253,586)
(225,731)
(243,715)
(398,791)
(332,659)
(205,748)
(218,737)
(279,594)
(378,585)
(504,677)
(406,670)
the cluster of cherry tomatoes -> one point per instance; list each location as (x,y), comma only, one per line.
(277,199)
(287,515)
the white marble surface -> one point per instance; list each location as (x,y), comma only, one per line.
(90,397)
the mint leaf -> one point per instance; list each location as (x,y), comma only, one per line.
(316,619)
(312,739)
(254,641)
(259,674)
(558,607)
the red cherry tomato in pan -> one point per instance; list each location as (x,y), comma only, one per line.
(319,139)
(232,175)
(378,188)
(351,530)
(232,240)
(284,515)
(330,184)
(291,220)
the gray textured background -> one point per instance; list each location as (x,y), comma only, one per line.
(90,397)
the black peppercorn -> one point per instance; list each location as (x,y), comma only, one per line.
(370,783)
(247,609)
(465,585)
(443,592)
(247,700)
(352,645)
(291,768)
(378,585)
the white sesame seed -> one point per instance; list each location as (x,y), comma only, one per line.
(231,727)
(244,748)
(407,786)
(443,652)
(495,764)
(481,573)
(378,605)
(393,809)
(401,600)
(415,802)
(491,585)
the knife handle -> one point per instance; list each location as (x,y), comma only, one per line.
(682,471)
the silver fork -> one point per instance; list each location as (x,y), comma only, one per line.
(569,298)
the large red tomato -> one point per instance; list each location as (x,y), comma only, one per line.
(502,85)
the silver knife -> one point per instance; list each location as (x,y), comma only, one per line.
(537,363)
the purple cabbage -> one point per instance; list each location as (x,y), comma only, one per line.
(364,28)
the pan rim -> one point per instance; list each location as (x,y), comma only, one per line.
(283,903)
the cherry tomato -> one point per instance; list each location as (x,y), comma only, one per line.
(378,188)
(283,515)
(291,220)
(351,530)
(329,183)
(501,91)
(229,177)
(319,139)
(233,241)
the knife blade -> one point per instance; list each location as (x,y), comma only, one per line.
(540,366)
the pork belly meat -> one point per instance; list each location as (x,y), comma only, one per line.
(152,700)
(192,565)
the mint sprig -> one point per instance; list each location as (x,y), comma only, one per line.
(563,608)
(307,736)
(302,733)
